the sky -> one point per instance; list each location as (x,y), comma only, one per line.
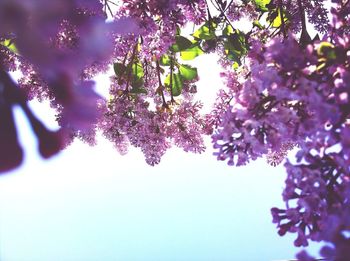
(90,203)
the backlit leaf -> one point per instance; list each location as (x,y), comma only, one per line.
(261,4)
(119,69)
(187,72)
(191,53)
(9,44)
(137,70)
(181,43)
(205,32)
(177,83)
(164,60)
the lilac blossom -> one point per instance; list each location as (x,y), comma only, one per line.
(284,90)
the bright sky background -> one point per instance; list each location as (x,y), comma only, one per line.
(93,204)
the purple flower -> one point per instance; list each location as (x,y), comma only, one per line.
(80,106)
(304,256)
(11,153)
(49,141)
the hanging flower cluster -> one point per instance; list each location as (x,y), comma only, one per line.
(285,89)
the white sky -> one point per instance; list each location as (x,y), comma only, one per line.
(92,204)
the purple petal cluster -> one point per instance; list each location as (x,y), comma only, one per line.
(159,20)
(53,42)
(130,120)
(298,95)
(284,90)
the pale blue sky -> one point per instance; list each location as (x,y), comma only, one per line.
(92,204)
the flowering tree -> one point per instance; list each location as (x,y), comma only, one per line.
(284,89)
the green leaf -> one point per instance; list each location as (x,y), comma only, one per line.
(205,32)
(138,91)
(181,43)
(326,50)
(164,60)
(177,83)
(187,72)
(9,45)
(235,57)
(228,30)
(235,65)
(256,23)
(261,5)
(275,18)
(136,83)
(137,70)
(191,53)
(236,46)
(119,69)
(178,30)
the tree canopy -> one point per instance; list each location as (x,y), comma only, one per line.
(287,86)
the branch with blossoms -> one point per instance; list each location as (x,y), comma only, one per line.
(284,90)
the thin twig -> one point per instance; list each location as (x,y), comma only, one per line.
(228,6)
(108,7)
(160,85)
(171,78)
(283,25)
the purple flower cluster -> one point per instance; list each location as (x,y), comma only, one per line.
(159,19)
(130,120)
(284,90)
(11,153)
(299,95)
(53,42)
